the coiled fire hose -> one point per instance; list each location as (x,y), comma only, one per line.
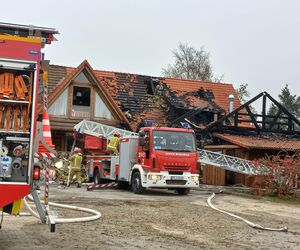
(96,215)
(251,224)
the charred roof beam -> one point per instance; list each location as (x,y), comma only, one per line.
(284,120)
(188,115)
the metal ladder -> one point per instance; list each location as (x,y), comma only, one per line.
(227,162)
(99,129)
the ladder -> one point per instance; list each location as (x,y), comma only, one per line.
(227,162)
(99,129)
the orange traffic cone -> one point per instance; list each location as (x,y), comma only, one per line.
(46,133)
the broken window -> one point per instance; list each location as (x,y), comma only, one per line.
(81,101)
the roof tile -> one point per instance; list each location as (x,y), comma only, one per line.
(261,142)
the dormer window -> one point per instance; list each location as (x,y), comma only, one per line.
(81,105)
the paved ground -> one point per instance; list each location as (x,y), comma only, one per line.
(158,219)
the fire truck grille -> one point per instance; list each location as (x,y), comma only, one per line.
(177,168)
(176,182)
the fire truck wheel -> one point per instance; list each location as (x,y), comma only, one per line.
(97,179)
(136,183)
(182,191)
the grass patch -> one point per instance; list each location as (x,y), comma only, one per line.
(293,200)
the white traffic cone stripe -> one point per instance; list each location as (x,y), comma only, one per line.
(47,133)
(46,122)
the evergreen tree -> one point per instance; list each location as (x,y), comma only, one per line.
(289,101)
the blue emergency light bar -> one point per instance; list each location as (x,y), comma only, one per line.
(185,125)
(149,123)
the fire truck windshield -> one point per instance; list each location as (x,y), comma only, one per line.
(174,141)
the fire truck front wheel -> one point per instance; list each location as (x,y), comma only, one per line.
(136,183)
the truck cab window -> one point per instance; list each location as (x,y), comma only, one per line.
(146,148)
(174,141)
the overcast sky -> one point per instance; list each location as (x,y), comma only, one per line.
(255,42)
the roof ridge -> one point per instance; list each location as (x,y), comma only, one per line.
(160,77)
(103,70)
(180,79)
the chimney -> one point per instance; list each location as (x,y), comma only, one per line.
(231,100)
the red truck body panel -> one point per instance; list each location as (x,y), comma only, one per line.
(12,192)
(20,48)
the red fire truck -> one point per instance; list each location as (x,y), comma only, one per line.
(156,157)
(21,61)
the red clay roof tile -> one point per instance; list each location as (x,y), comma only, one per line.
(261,142)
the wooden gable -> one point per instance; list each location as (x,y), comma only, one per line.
(81,96)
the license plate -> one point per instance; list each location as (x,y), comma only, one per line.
(177,178)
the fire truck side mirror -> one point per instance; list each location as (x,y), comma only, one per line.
(142,142)
(142,133)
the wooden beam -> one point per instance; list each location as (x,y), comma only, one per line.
(252,117)
(264,104)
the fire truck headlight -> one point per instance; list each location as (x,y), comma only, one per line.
(195,178)
(154,177)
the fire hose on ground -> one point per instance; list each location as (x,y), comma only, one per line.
(96,215)
(249,223)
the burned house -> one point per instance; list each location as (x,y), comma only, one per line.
(124,100)
(213,110)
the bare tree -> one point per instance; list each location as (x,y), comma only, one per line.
(191,64)
(243,93)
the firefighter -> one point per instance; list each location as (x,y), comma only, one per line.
(113,144)
(159,89)
(76,160)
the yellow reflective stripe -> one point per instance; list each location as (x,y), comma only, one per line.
(21,39)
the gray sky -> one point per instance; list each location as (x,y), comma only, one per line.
(255,42)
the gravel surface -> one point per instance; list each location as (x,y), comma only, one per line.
(156,220)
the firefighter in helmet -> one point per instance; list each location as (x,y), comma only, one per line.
(113,145)
(76,160)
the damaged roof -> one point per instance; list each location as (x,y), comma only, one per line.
(214,96)
(131,93)
(261,141)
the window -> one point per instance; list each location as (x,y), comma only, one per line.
(59,107)
(101,110)
(146,148)
(81,101)
(81,78)
(174,141)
